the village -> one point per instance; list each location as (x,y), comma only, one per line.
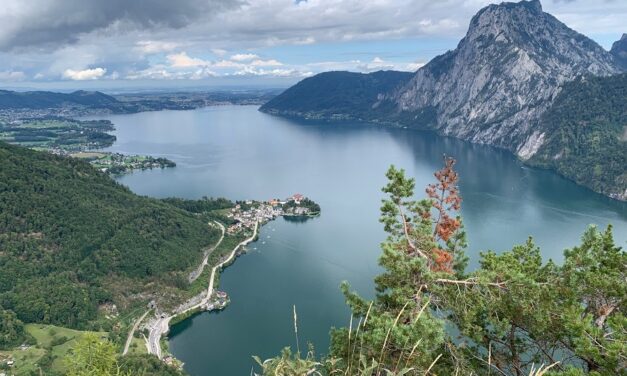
(246,213)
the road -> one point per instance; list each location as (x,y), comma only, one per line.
(215,268)
(162,323)
(201,268)
(129,339)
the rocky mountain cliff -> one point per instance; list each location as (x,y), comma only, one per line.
(494,88)
(619,51)
(503,75)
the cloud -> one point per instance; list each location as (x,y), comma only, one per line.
(376,64)
(153,47)
(162,72)
(56,22)
(251,71)
(182,60)
(244,57)
(86,74)
(219,51)
(180,39)
(266,63)
(10,76)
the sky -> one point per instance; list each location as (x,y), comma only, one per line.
(131,44)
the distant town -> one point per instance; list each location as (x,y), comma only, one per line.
(246,213)
(118,164)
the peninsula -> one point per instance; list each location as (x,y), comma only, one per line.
(245,218)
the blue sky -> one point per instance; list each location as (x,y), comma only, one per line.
(117,44)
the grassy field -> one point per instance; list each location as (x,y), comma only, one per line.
(51,340)
(49,123)
(89,155)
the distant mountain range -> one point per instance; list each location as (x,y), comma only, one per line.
(81,102)
(47,99)
(495,88)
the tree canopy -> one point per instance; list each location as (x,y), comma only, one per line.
(514,315)
(68,230)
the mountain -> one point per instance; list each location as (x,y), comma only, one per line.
(619,51)
(73,240)
(493,88)
(503,75)
(587,134)
(47,99)
(336,94)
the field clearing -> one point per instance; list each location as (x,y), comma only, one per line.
(53,340)
(88,155)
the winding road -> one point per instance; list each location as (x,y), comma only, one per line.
(162,323)
(129,339)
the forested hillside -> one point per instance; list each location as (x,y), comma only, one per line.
(339,95)
(47,99)
(586,134)
(515,315)
(65,228)
(497,87)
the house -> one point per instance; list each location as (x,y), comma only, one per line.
(297,198)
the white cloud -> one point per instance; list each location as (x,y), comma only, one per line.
(251,71)
(412,67)
(163,72)
(376,64)
(266,63)
(244,57)
(204,38)
(182,60)
(86,74)
(219,51)
(153,46)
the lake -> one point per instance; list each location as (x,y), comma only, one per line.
(240,153)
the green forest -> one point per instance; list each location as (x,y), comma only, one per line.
(72,239)
(68,232)
(517,314)
(59,133)
(587,128)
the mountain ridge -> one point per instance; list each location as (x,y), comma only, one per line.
(503,75)
(619,51)
(48,99)
(493,88)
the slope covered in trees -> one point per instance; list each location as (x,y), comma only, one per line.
(494,88)
(48,99)
(336,95)
(65,228)
(515,315)
(586,134)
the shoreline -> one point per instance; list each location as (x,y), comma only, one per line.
(161,326)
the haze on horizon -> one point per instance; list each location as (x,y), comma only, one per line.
(118,44)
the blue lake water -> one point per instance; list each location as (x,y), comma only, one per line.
(239,153)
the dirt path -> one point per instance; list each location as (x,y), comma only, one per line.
(129,339)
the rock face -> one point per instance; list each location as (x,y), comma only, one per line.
(499,87)
(619,51)
(503,75)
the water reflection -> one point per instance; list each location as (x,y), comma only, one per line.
(239,153)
